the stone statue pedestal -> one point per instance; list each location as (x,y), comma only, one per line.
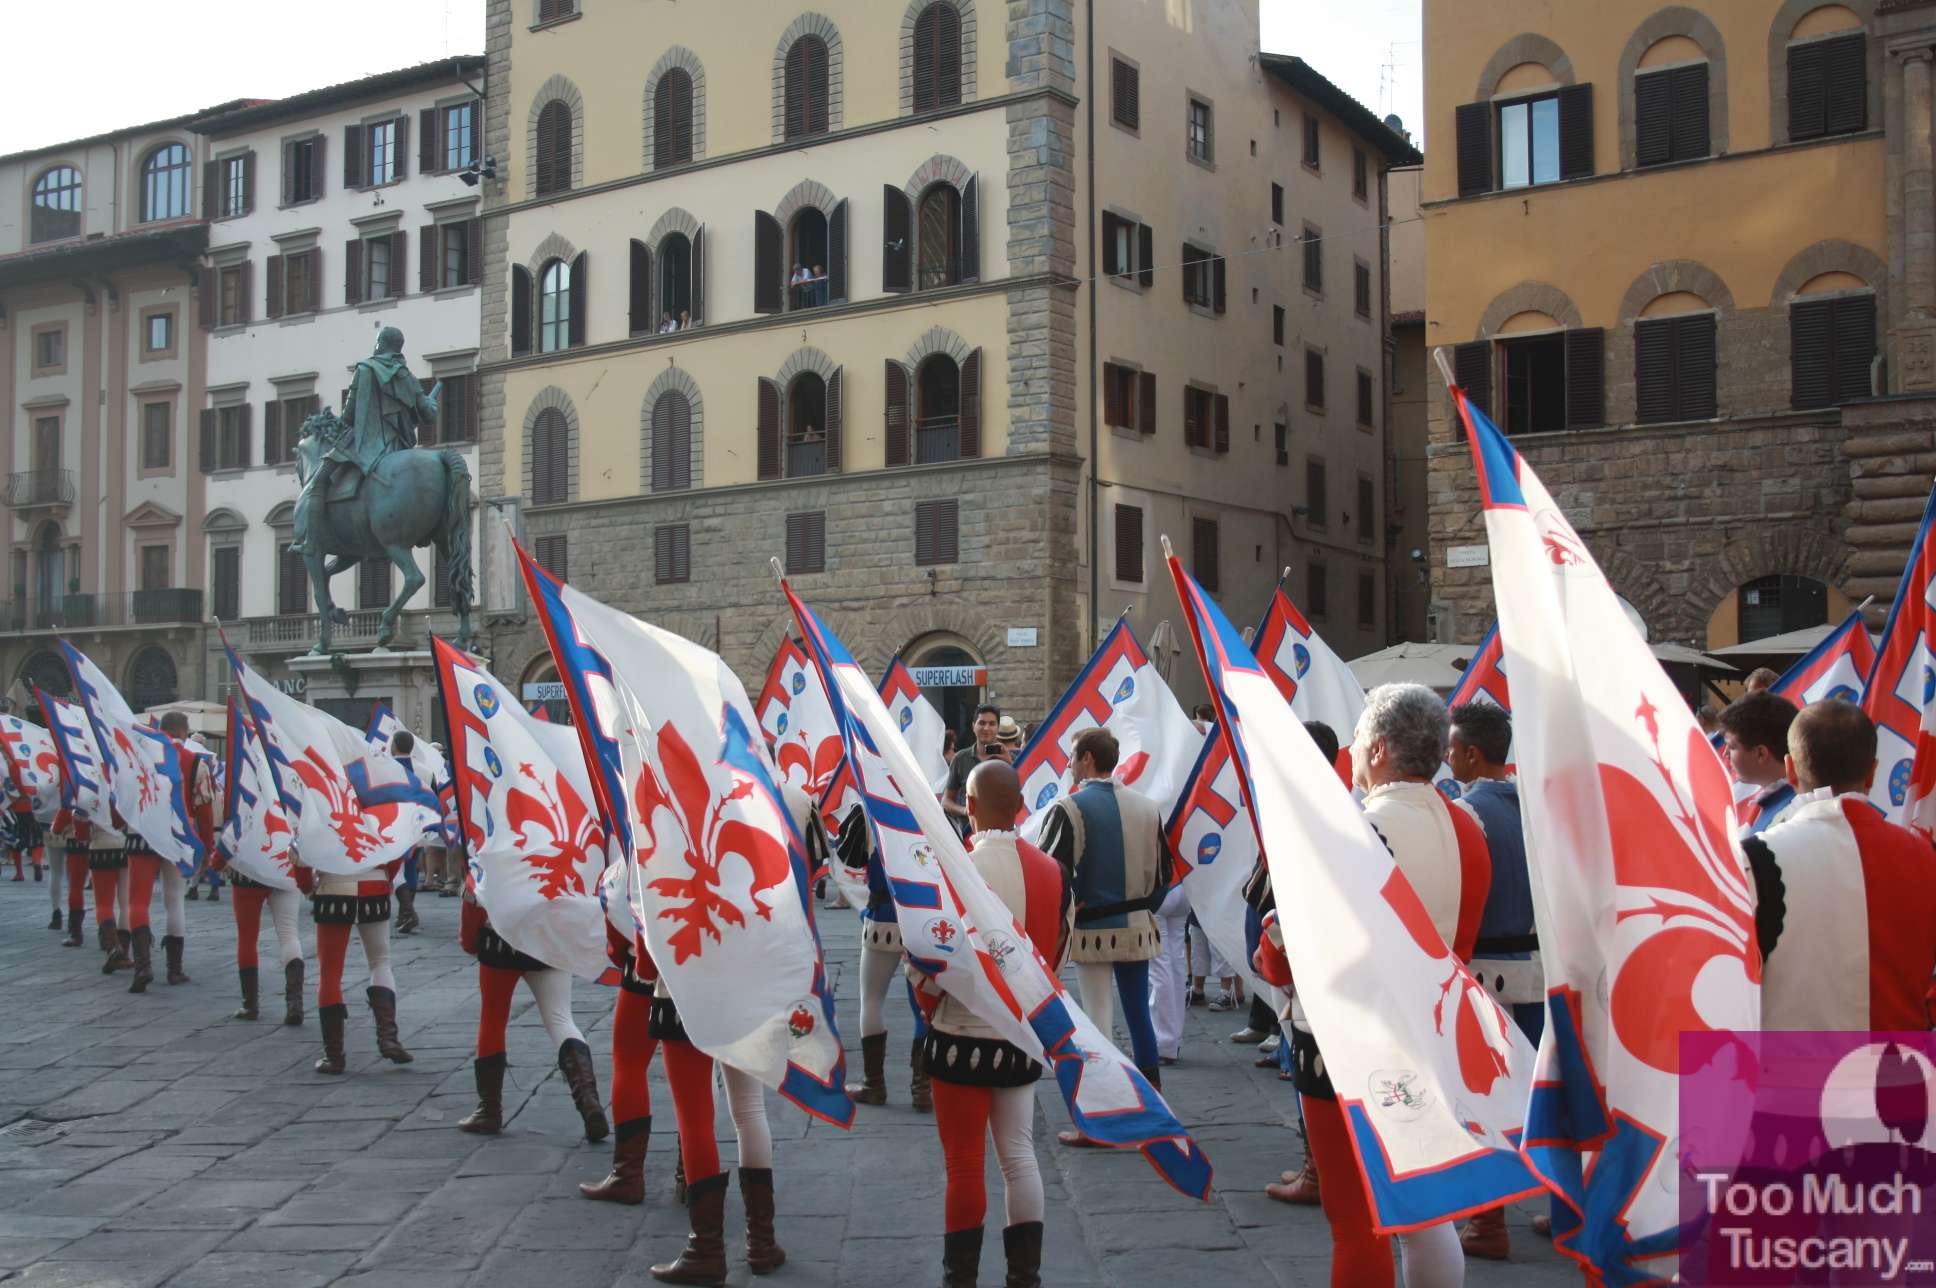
(406,679)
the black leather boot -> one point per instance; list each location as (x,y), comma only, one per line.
(626,1181)
(172,947)
(764,1254)
(575,1062)
(488,1118)
(74,918)
(704,1258)
(143,943)
(335,1018)
(872,1088)
(407,921)
(292,992)
(383,1006)
(960,1258)
(1023,1244)
(249,997)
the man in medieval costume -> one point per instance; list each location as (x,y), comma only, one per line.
(386,407)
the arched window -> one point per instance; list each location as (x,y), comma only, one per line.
(1670,103)
(938,238)
(937,410)
(672,119)
(553,162)
(554,307)
(164,183)
(806,426)
(1832,341)
(151,679)
(1826,74)
(50,561)
(671,442)
(937,57)
(675,278)
(550,458)
(806,88)
(1775,605)
(57,205)
(807,243)
(1675,360)
(46,670)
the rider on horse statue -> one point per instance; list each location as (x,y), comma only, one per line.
(385,408)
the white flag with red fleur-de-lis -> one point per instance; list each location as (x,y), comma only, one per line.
(255,834)
(532,831)
(720,884)
(799,722)
(33,766)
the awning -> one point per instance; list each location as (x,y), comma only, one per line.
(1436,666)
(1681,655)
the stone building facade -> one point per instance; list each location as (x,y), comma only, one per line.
(992,191)
(1685,255)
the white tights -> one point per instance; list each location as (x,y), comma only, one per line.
(1096,986)
(552,989)
(1011,1125)
(746,1101)
(1433,1257)
(283,908)
(376,951)
(878,967)
(174,895)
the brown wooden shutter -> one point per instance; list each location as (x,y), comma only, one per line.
(1112,398)
(1690,113)
(399,263)
(1203,553)
(1655,396)
(313,296)
(1126,95)
(244,435)
(291,154)
(248,182)
(317,147)
(427,435)
(896,434)
(768,440)
(581,285)
(244,290)
(1223,423)
(1654,118)
(353,271)
(428,260)
(837,253)
(520,310)
(473,405)
(640,318)
(769,253)
(273,305)
(1695,372)
(1576,131)
(795,105)
(1472,369)
(897,240)
(1112,265)
(1473,126)
(272,432)
(971,405)
(1187,278)
(1145,256)
(1846,74)
(1586,378)
(554,555)
(672,442)
(474,251)
(212,190)
(353,156)
(400,152)
(806,542)
(1192,432)
(1146,402)
(672,553)
(210,428)
(937,532)
(1217,283)
(968,246)
(1855,346)
(429,139)
(836,418)
(926,52)
(206,280)
(699,275)
(1129,543)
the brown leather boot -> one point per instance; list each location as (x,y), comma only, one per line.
(1023,1245)
(488,1118)
(407,921)
(383,1007)
(575,1062)
(960,1258)
(172,947)
(764,1254)
(1299,1187)
(74,918)
(920,1093)
(704,1258)
(626,1181)
(335,1018)
(143,944)
(1485,1235)
(292,992)
(872,1088)
(249,995)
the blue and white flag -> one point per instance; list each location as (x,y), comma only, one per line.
(83,780)
(142,765)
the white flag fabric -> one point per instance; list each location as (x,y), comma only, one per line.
(429,763)
(798,723)
(960,934)
(720,881)
(353,810)
(83,781)
(1313,679)
(33,766)
(1644,903)
(532,832)
(143,769)
(1431,1072)
(255,833)
(1215,843)
(920,724)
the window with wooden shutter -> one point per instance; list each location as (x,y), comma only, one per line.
(272,432)
(292,582)
(1361,289)
(550,458)
(1674,372)
(373,583)
(1118,396)
(1473,129)
(456,417)
(806,88)
(1125,94)
(1198,276)
(1118,246)
(768,435)
(1367,600)
(672,119)
(1832,347)
(769,273)
(353,271)
(1586,378)
(1316,494)
(553,554)
(1576,131)
(1472,369)
(1145,256)
(937,533)
(1313,241)
(520,310)
(1129,544)
(1367,511)
(897,240)
(640,316)
(671,442)
(553,10)
(1197,416)
(937,57)
(806,542)
(1204,553)
(272,304)
(1671,115)
(971,405)
(1828,87)
(837,253)
(1146,402)
(1317,592)
(1365,417)
(353,160)
(672,553)
(553,162)
(1314,379)
(1220,408)
(226,574)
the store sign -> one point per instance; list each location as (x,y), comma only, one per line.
(949,677)
(545,691)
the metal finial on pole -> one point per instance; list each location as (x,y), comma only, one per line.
(1445,365)
(779,572)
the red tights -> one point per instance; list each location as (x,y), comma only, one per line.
(104,882)
(143,871)
(961,1119)
(632,1050)
(689,1072)
(1360,1258)
(247,901)
(76,880)
(332,949)
(495,987)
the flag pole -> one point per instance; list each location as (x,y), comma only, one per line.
(1445,365)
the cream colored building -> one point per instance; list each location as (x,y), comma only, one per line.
(1060,308)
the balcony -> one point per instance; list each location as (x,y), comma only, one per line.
(296,633)
(38,489)
(173,606)
(937,438)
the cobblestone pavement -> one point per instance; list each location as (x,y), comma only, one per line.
(152,1140)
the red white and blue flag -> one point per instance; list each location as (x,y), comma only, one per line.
(1122,691)
(255,833)
(1215,843)
(142,768)
(1838,667)
(1484,680)
(959,933)
(1644,904)
(1430,1071)
(83,779)
(532,832)
(798,723)
(33,766)
(1901,693)
(920,724)
(353,810)
(431,768)
(1313,679)
(719,883)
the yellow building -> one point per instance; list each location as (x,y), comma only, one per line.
(1054,308)
(1686,256)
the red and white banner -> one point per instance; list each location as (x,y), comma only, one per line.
(920,724)
(532,832)
(255,834)
(83,780)
(144,771)
(1484,681)
(798,723)
(1838,667)
(33,766)
(1313,679)
(1215,843)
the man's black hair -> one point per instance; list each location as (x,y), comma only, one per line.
(1323,736)
(1486,726)
(1760,719)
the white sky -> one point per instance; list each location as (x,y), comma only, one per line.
(147,61)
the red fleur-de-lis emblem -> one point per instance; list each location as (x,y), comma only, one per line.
(346,813)
(556,828)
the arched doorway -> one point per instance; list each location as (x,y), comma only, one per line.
(543,692)
(151,679)
(937,413)
(952,675)
(806,425)
(46,670)
(807,249)
(1774,605)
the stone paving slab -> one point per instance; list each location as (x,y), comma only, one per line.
(165,1144)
